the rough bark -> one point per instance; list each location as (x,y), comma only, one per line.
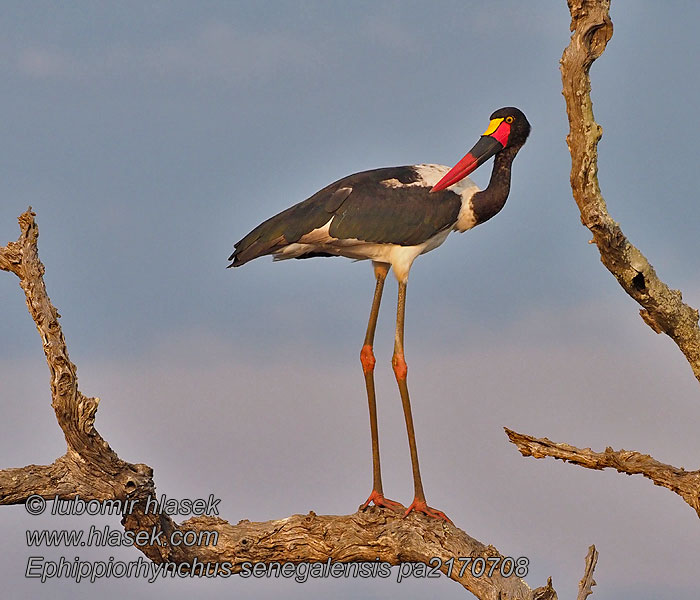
(662,308)
(92,470)
(684,483)
(585,586)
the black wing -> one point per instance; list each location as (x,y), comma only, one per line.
(364,209)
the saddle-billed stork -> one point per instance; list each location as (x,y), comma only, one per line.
(391,216)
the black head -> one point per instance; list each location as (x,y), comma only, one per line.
(508,128)
(519,125)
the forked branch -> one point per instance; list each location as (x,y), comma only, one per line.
(92,470)
(684,483)
(662,308)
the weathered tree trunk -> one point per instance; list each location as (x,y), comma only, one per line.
(92,470)
(663,309)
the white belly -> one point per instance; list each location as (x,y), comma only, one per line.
(399,257)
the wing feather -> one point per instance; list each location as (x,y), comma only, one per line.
(392,205)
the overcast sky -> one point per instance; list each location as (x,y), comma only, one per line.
(150,137)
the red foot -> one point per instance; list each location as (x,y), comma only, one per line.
(421,507)
(367,358)
(400,366)
(379,500)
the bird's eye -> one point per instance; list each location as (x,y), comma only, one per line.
(509,119)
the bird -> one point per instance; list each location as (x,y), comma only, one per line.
(391,216)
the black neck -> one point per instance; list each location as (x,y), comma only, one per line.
(490,201)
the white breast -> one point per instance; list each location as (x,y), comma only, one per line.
(466,188)
(399,257)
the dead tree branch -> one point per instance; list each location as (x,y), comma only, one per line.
(585,586)
(92,470)
(89,464)
(662,308)
(684,483)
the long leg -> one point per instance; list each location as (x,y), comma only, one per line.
(367,359)
(401,371)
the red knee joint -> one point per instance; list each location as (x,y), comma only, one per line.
(400,366)
(367,358)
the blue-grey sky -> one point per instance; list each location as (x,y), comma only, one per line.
(151,137)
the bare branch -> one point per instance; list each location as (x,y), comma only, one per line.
(684,483)
(92,470)
(89,461)
(585,586)
(366,536)
(662,308)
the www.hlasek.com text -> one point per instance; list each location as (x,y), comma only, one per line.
(114,538)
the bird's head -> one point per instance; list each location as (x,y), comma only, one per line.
(508,128)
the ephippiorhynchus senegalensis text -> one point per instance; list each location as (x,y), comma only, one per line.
(391,216)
